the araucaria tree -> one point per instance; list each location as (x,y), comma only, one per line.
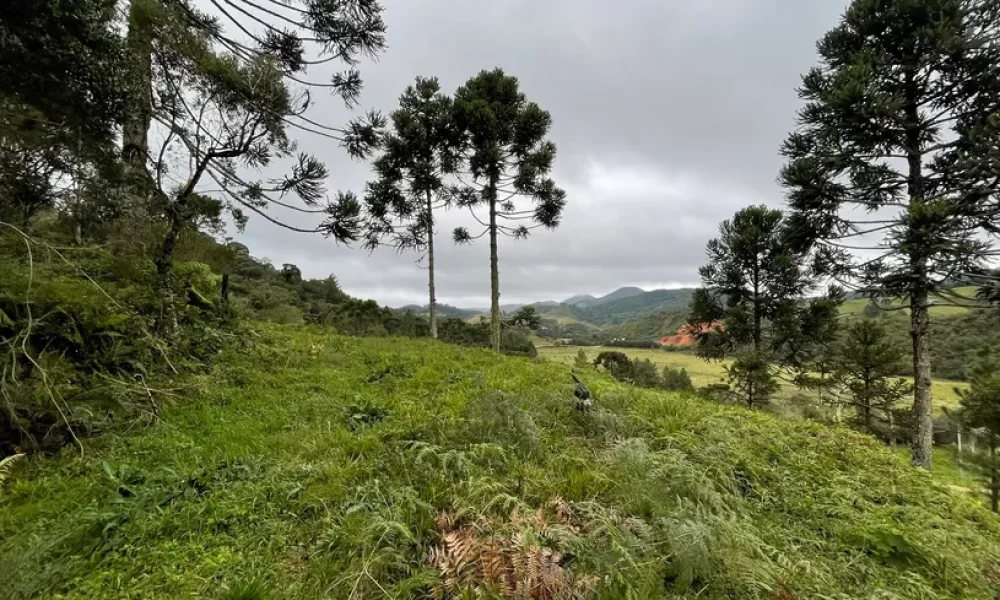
(864,365)
(222,126)
(504,156)
(752,305)
(893,171)
(295,35)
(206,105)
(417,154)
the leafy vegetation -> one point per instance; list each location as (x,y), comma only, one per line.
(382,452)
(181,419)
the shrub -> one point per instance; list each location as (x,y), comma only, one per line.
(78,351)
(644,374)
(677,380)
(516,343)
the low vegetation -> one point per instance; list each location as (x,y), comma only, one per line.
(356,468)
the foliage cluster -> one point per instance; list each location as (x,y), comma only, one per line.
(643,373)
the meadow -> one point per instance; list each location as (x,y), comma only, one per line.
(941,307)
(343,466)
(708,372)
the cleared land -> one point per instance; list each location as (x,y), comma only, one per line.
(705,373)
(942,308)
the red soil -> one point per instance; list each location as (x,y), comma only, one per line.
(685,334)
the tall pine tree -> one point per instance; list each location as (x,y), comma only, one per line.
(506,156)
(865,363)
(752,305)
(417,154)
(893,170)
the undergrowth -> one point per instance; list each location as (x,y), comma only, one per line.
(319,466)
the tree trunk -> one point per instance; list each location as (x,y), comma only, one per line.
(176,211)
(892,429)
(139,113)
(432,306)
(923,439)
(225,294)
(168,324)
(757,338)
(495,326)
(994,477)
(866,404)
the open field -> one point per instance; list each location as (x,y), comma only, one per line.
(704,373)
(857,306)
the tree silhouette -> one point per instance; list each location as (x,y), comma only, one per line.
(417,154)
(505,156)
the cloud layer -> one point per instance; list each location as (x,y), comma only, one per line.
(668,116)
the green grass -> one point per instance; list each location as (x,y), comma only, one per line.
(942,306)
(313,466)
(704,372)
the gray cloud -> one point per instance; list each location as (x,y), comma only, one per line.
(667,114)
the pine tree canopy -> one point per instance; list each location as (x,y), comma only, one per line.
(895,160)
(506,155)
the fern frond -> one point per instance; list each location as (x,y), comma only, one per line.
(5,467)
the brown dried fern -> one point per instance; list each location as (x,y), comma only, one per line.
(505,557)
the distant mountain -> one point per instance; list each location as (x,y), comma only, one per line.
(586,300)
(629,306)
(621,294)
(579,299)
(619,307)
(443,310)
(547,304)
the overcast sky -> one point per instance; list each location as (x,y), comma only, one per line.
(667,114)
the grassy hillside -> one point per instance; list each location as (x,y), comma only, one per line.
(940,307)
(652,326)
(338,468)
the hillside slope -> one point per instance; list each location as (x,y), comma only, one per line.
(623,310)
(318,466)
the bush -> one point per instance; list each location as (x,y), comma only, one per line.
(641,373)
(644,374)
(78,352)
(677,380)
(516,343)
